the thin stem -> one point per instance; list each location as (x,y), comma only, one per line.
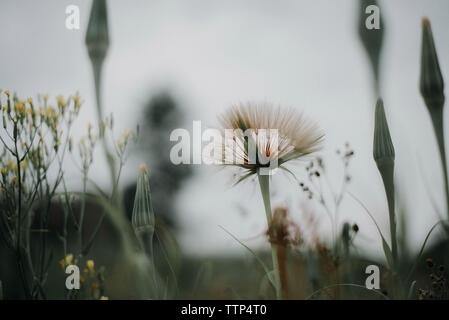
(146,240)
(437,120)
(264,183)
(387,172)
(19,220)
(97,65)
(81,217)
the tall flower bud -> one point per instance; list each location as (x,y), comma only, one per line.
(431,82)
(97,35)
(143,216)
(431,85)
(97,43)
(384,155)
(143,222)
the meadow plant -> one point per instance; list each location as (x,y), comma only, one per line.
(431,85)
(298,137)
(36,137)
(372,40)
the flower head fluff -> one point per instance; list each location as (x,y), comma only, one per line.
(257,137)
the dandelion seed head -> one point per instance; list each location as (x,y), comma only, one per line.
(296,136)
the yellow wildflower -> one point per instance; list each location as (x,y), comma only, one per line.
(60,100)
(90,265)
(69,258)
(126,134)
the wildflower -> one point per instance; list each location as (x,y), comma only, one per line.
(97,35)
(431,82)
(69,259)
(62,263)
(294,138)
(4,171)
(85,271)
(429,262)
(57,144)
(143,215)
(431,85)
(384,155)
(61,102)
(104,298)
(249,147)
(49,112)
(119,144)
(90,264)
(126,134)
(372,40)
(383,149)
(77,101)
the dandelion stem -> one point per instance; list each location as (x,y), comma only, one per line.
(264,183)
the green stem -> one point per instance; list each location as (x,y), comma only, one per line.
(264,183)
(437,120)
(386,169)
(146,240)
(20,261)
(97,64)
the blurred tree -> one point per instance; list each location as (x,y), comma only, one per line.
(161,116)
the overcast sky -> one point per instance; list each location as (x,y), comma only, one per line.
(304,54)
